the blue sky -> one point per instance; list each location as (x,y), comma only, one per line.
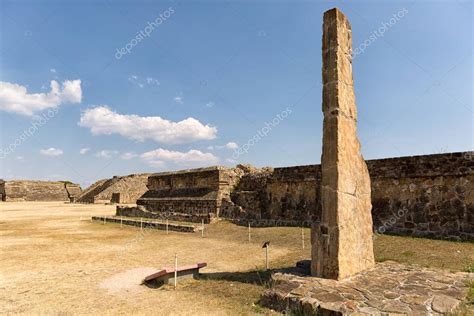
(213,75)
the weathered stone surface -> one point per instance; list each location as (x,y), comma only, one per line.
(73,191)
(342,241)
(118,189)
(376,288)
(444,304)
(27,190)
(193,194)
(431,194)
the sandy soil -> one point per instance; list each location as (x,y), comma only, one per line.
(55,261)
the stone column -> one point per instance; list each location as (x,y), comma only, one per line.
(342,242)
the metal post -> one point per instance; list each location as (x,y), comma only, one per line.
(175,270)
(121,221)
(202,230)
(266,257)
(302,236)
(166,227)
(249,232)
(105,219)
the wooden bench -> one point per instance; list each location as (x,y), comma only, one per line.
(166,276)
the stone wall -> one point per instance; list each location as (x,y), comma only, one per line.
(426,196)
(430,196)
(248,194)
(293,193)
(2,190)
(26,190)
(196,192)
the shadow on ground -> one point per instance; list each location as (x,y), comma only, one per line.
(259,277)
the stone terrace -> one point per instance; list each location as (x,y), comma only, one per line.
(387,288)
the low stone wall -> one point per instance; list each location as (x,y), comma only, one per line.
(426,196)
(26,190)
(146,224)
(140,211)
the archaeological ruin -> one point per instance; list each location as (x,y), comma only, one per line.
(118,189)
(340,236)
(345,279)
(27,190)
(421,196)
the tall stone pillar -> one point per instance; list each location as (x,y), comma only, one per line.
(342,241)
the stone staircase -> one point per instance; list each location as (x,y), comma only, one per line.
(88,195)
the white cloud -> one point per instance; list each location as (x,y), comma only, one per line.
(192,158)
(156,163)
(21,158)
(103,121)
(231,145)
(53,70)
(52,152)
(210,104)
(178,99)
(128,156)
(16,99)
(152,81)
(231,160)
(107,154)
(84,151)
(136,80)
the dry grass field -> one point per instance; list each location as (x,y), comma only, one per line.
(55,261)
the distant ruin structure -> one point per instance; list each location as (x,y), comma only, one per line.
(27,190)
(194,194)
(118,189)
(421,196)
(342,242)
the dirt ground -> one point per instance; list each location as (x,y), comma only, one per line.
(55,261)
